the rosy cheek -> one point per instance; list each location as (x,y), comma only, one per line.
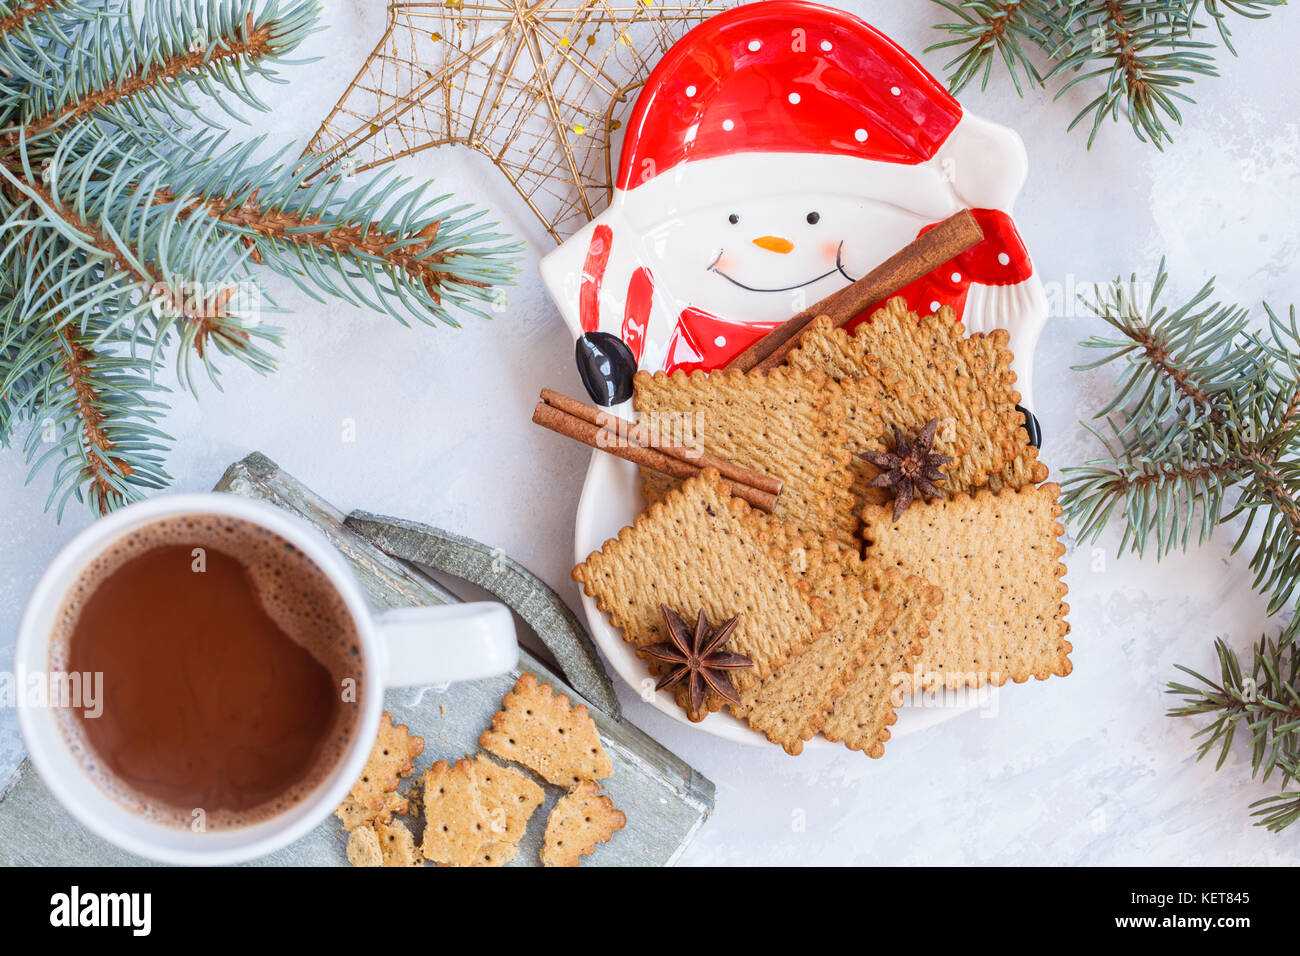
(830,250)
(722,263)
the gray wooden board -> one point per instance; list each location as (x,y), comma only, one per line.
(540,607)
(664,798)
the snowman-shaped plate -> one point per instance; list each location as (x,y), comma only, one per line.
(778,152)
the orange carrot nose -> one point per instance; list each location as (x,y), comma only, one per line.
(774,244)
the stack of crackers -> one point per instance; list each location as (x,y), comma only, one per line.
(476,810)
(843,608)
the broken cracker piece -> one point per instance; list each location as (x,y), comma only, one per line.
(579,821)
(397,845)
(1025,469)
(541,731)
(496,853)
(390,759)
(363,848)
(508,796)
(456,823)
(355,814)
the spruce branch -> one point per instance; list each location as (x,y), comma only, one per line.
(1184,359)
(1168,487)
(136,283)
(142,80)
(127,72)
(1204,428)
(94,410)
(1140,56)
(1262,706)
(95,413)
(1278,811)
(130,232)
(16,18)
(384,245)
(1145,58)
(34,37)
(988,32)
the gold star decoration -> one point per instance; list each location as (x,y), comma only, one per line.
(540,88)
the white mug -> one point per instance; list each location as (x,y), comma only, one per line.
(424,645)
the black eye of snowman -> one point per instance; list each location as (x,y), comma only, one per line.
(733,219)
(814,218)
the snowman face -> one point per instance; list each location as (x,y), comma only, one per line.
(764,259)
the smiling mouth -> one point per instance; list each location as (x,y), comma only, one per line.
(839,267)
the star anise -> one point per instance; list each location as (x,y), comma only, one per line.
(910,467)
(698,659)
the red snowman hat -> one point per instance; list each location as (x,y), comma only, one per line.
(785,76)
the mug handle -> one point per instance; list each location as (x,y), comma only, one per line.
(449,642)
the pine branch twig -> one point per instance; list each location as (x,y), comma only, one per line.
(129,230)
(1140,56)
(256,42)
(15,18)
(1202,430)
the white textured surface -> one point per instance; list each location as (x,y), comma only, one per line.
(1082,770)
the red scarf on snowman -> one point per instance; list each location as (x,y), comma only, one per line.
(788,77)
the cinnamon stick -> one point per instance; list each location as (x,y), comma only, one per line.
(927,252)
(630,431)
(673,461)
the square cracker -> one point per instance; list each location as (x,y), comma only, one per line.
(925,367)
(997,558)
(557,742)
(578,822)
(397,845)
(355,814)
(785,423)
(792,704)
(701,548)
(456,823)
